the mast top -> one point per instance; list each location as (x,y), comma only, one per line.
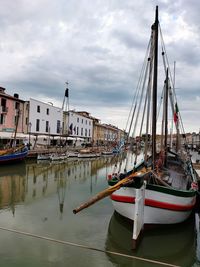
(156,16)
(155,24)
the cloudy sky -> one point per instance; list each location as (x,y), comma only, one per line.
(98,46)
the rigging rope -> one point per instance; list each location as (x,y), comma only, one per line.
(173,85)
(86,247)
(133,107)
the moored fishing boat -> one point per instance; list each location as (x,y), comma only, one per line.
(43,157)
(162,188)
(87,153)
(171,181)
(57,157)
(72,154)
(13,155)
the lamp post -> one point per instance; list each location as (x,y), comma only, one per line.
(29,137)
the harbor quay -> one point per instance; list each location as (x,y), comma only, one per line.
(33,153)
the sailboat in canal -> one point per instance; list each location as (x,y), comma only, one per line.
(171,181)
(166,177)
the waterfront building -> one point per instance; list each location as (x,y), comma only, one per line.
(45,122)
(99,132)
(112,135)
(11,113)
(78,125)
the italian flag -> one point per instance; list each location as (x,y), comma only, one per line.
(176,114)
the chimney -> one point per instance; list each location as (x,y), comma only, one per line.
(16,95)
(2,90)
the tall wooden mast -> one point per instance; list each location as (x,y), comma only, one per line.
(154,101)
(166,115)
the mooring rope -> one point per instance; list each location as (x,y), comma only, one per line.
(86,247)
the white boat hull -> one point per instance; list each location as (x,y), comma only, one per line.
(58,157)
(43,157)
(160,208)
(88,155)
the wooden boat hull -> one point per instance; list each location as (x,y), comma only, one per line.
(14,157)
(72,154)
(43,157)
(88,155)
(162,205)
(58,157)
(107,153)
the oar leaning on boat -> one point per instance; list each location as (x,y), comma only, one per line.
(125,181)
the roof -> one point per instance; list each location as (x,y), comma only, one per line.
(4,95)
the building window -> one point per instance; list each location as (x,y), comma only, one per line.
(86,122)
(58,126)
(85,132)
(77,119)
(17,105)
(37,125)
(89,132)
(71,128)
(38,109)
(81,131)
(77,130)
(26,120)
(3,104)
(2,119)
(47,111)
(15,119)
(47,127)
(89,122)
(82,120)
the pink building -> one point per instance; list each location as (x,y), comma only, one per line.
(10,107)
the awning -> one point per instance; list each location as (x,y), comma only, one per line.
(8,135)
(75,138)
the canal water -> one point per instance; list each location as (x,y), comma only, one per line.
(38,227)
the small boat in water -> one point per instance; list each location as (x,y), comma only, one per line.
(87,153)
(72,154)
(43,157)
(13,155)
(57,157)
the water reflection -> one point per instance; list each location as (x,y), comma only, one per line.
(12,186)
(171,244)
(61,178)
(34,180)
(50,191)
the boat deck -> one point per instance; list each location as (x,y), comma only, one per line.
(177,177)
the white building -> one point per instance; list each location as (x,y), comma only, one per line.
(44,118)
(80,124)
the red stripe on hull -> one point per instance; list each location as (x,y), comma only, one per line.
(155,203)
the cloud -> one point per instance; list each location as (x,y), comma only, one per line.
(98,47)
